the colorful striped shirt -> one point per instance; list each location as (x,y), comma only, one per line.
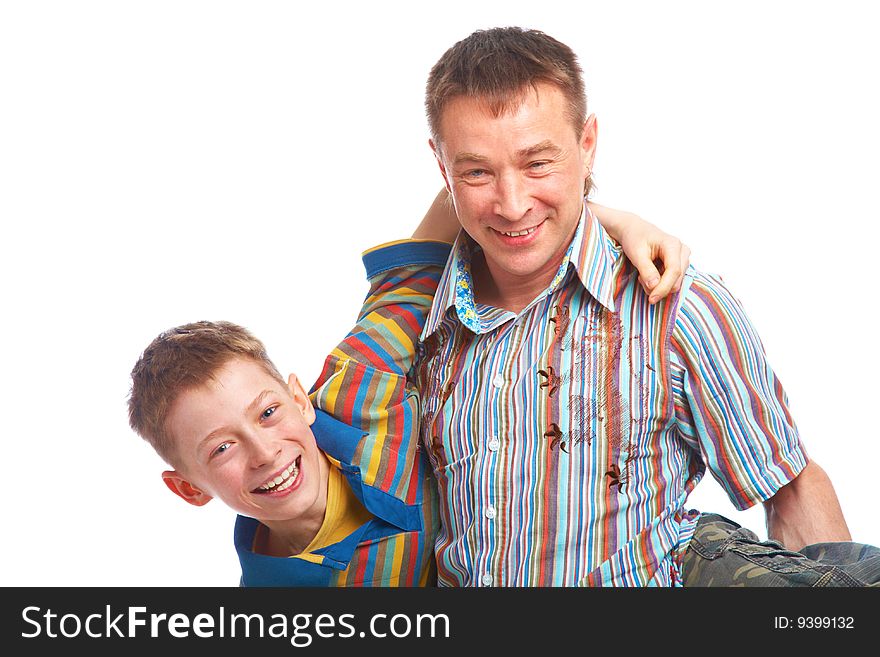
(367,424)
(566,439)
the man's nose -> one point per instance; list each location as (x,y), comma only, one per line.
(512,198)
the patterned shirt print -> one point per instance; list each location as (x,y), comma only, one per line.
(565,439)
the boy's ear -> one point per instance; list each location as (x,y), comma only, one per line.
(301,398)
(181,487)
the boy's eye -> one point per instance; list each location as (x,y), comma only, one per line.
(220,449)
(265,415)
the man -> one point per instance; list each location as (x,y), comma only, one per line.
(566,413)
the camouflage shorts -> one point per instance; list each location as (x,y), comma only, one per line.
(721,553)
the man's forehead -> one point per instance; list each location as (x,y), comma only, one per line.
(547,105)
(495,106)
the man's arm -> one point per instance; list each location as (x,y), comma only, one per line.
(730,406)
(806,511)
(660,258)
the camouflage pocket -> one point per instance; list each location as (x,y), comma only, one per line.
(767,556)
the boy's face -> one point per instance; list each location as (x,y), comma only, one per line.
(245,438)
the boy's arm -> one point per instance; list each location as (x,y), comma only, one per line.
(646,246)
(363,381)
(439,222)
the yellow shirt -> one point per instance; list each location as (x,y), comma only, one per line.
(343,515)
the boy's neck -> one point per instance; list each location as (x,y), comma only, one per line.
(288,538)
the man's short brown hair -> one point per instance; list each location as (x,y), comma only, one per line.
(180,359)
(501,65)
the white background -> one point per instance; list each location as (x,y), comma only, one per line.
(164,162)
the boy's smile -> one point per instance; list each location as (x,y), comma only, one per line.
(283,481)
(245,438)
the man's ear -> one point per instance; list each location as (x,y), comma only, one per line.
(301,398)
(440,164)
(588,142)
(181,487)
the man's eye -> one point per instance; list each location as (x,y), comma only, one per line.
(538,165)
(475,173)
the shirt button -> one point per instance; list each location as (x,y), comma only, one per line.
(494,444)
(486,579)
(498,381)
(490,512)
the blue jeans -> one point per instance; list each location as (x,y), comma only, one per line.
(721,553)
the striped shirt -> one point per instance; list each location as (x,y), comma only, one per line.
(367,424)
(566,438)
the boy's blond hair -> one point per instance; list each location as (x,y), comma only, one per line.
(180,359)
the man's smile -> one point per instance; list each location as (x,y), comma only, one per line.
(517,236)
(520,233)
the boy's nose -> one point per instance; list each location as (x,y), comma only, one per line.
(263,452)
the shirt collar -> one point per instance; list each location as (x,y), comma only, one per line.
(339,441)
(591,253)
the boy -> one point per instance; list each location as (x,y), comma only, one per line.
(353,502)
(341,494)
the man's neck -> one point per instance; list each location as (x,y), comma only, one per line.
(500,289)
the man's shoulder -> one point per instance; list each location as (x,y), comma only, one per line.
(701,292)
(700,286)
(694,281)
(707,311)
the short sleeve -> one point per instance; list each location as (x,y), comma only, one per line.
(728,400)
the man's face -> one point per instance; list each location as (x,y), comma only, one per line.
(517,180)
(245,438)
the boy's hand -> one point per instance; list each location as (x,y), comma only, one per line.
(440,222)
(661,259)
